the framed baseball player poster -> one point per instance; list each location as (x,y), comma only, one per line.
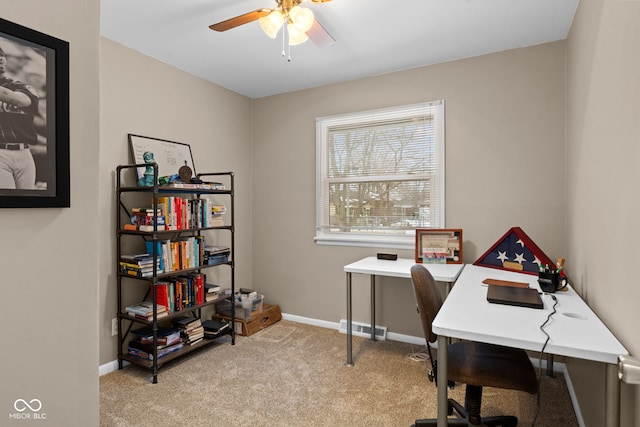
(34,118)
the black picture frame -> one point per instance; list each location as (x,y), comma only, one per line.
(42,62)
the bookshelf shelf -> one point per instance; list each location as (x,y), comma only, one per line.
(179,254)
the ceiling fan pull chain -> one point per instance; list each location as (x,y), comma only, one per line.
(283,31)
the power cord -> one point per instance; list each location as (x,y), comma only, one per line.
(418,356)
(555,304)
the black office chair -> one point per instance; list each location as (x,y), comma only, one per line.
(475,364)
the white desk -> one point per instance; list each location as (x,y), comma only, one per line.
(399,268)
(575,330)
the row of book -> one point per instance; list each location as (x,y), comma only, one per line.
(184,331)
(179,293)
(177,213)
(179,254)
(176,295)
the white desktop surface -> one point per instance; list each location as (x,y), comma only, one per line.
(402,268)
(391,268)
(574,329)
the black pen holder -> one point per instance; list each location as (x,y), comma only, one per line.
(550,281)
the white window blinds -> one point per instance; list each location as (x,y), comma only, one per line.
(380,175)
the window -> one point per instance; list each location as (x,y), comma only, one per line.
(380,175)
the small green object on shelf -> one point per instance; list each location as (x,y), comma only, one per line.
(147,179)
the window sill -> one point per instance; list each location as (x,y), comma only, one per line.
(391,242)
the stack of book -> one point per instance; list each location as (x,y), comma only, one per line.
(216,219)
(212,292)
(144,311)
(214,327)
(139,265)
(190,328)
(168,341)
(215,254)
(143,219)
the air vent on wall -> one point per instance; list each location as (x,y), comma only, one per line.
(363,329)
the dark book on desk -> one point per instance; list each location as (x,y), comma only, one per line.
(509,295)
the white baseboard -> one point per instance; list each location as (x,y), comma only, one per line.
(557,367)
(108,367)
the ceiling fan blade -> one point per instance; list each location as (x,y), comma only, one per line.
(319,35)
(320,1)
(240,20)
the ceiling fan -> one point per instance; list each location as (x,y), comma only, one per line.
(299,22)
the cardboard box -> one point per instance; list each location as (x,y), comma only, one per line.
(258,321)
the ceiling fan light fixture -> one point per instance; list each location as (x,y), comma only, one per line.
(295,36)
(271,23)
(301,18)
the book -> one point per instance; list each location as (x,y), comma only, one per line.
(165,336)
(211,296)
(144,310)
(213,326)
(211,288)
(135,257)
(192,335)
(186,322)
(146,211)
(190,343)
(139,262)
(138,271)
(145,351)
(149,246)
(144,307)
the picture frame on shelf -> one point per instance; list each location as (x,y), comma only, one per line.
(439,245)
(35,66)
(170,156)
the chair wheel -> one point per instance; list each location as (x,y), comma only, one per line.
(449,409)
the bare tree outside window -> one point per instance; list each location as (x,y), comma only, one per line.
(380,174)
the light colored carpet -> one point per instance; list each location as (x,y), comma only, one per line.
(292,374)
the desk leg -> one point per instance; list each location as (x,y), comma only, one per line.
(373,307)
(349,319)
(443,381)
(612,397)
(550,366)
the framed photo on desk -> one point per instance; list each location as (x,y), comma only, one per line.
(439,245)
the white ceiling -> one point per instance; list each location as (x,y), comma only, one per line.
(372,37)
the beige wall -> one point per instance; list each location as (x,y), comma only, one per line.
(505,117)
(492,170)
(147,97)
(49,257)
(603,149)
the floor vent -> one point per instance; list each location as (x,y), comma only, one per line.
(363,329)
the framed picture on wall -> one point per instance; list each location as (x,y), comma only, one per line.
(439,245)
(34,118)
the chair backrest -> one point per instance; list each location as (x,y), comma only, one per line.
(428,298)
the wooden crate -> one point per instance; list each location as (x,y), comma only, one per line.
(258,321)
